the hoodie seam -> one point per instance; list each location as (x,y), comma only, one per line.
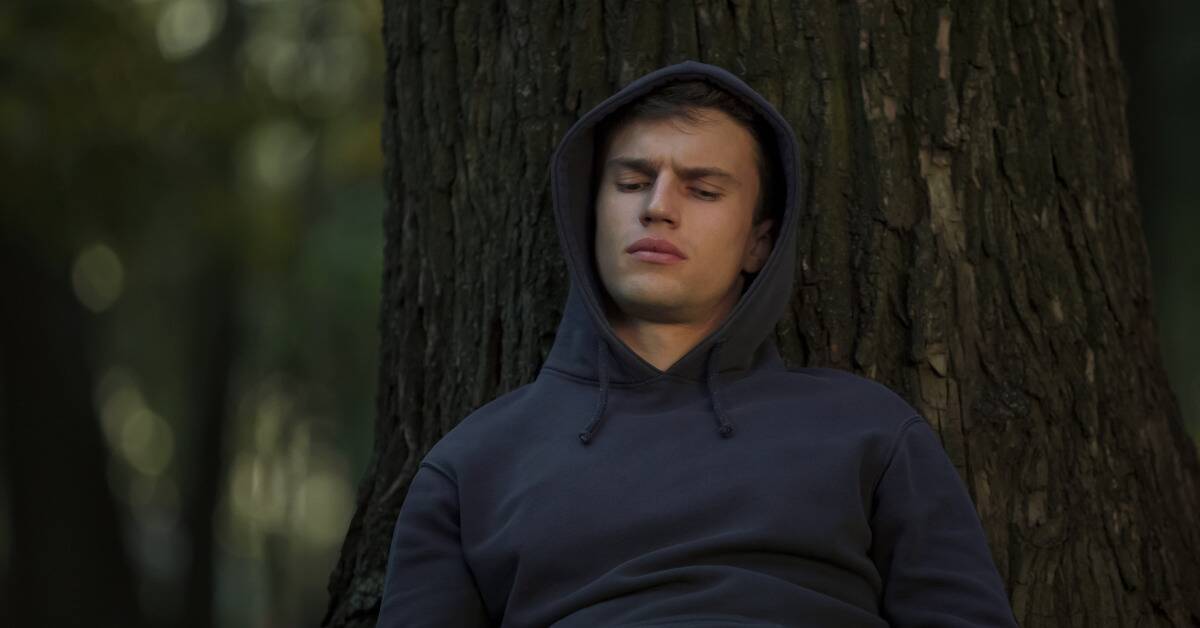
(441,472)
(458,511)
(891,455)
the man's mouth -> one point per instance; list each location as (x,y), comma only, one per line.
(656,250)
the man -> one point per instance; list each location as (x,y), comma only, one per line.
(710,484)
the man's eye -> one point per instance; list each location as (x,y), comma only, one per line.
(628,187)
(706,195)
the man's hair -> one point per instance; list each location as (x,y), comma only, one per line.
(683,99)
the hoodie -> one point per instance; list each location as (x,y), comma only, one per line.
(727,490)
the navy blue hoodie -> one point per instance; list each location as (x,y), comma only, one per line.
(727,490)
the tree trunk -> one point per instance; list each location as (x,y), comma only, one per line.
(64,560)
(217,339)
(973,240)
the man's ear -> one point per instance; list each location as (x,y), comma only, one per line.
(760,247)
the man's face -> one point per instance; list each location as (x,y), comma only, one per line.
(694,186)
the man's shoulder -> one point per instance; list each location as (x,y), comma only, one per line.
(850,396)
(482,428)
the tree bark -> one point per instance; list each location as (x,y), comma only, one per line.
(973,240)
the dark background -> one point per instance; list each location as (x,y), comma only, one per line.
(210,170)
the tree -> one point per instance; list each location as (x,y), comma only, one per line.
(973,240)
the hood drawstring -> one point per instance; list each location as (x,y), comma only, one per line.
(724,427)
(586,434)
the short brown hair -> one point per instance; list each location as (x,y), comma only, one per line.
(682,99)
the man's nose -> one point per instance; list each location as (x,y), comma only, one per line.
(662,205)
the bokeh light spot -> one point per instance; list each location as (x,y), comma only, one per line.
(186,25)
(97,277)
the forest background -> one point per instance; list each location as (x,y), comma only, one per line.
(192,236)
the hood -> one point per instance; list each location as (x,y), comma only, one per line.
(585,345)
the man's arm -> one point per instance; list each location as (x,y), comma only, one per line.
(428,582)
(928,542)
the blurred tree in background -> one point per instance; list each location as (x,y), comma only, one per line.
(191,247)
(191,243)
(1161,53)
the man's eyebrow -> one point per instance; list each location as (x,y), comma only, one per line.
(647,167)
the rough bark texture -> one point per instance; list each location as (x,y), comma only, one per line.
(973,240)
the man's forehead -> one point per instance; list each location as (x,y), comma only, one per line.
(704,149)
(650,165)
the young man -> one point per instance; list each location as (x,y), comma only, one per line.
(710,484)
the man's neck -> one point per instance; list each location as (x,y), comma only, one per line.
(662,344)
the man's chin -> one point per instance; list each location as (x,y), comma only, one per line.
(652,306)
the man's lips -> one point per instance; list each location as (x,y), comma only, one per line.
(658,250)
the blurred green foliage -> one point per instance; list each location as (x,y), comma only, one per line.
(201,156)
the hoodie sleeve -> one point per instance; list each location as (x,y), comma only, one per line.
(428,582)
(928,542)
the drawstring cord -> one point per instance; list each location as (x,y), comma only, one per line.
(586,434)
(724,427)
